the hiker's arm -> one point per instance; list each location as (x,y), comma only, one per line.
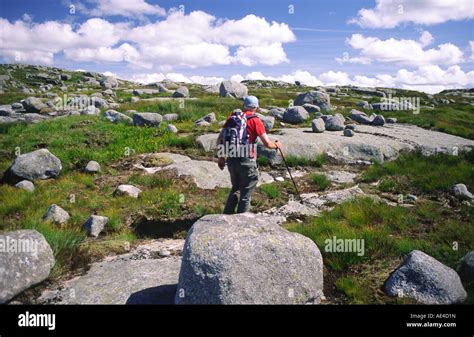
(221,160)
(268,143)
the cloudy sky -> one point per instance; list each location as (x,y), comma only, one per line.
(425,45)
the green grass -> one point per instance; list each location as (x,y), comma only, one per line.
(77,139)
(319,181)
(294,161)
(415,173)
(271,190)
(389,233)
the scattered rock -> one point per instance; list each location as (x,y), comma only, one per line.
(26,185)
(172,128)
(348,133)
(268,121)
(90,110)
(248,259)
(128,190)
(109,82)
(391,120)
(461,192)
(56,215)
(318,125)
(311,108)
(147,119)
(351,127)
(25,267)
(233,89)
(426,280)
(134,99)
(341,177)
(209,118)
(319,98)
(466,269)
(277,113)
(295,115)
(39,164)
(379,120)
(95,225)
(181,92)
(360,117)
(33,105)
(334,123)
(92,167)
(364,105)
(170,117)
(115,116)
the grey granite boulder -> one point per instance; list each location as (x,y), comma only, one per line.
(311,108)
(33,105)
(147,119)
(92,167)
(95,225)
(318,98)
(295,115)
(170,117)
(466,269)
(461,192)
(334,123)
(426,280)
(248,259)
(277,113)
(26,260)
(268,121)
(379,120)
(39,164)
(233,89)
(318,125)
(115,116)
(56,215)
(26,185)
(181,92)
(129,190)
(360,117)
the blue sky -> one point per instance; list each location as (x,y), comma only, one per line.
(420,44)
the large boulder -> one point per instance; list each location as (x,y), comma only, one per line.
(278,113)
(248,259)
(466,269)
(461,192)
(268,121)
(318,98)
(39,164)
(26,260)
(426,280)
(115,116)
(147,119)
(181,92)
(360,117)
(233,89)
(109,82)
(318,125)
(33,105)
(334,123)
(57,215)
(295,115)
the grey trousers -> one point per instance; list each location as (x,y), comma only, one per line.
(244,177)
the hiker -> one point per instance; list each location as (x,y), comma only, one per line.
(240,133)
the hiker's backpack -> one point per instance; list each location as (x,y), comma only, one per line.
(235,130)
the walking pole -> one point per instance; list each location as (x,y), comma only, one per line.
(289,172)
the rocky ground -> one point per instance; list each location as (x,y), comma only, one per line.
(112,176)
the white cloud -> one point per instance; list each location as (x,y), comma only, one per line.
(109,73)
(405,52)
(471,46)
(189,40)
(128,8)
(426,38)
(391,13)
(261,54)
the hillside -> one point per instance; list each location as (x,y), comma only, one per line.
(381,173)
